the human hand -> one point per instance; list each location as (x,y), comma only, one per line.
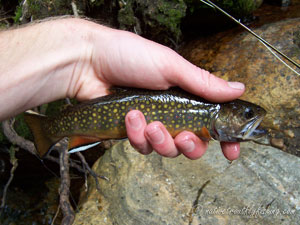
(81,59)
(125,59)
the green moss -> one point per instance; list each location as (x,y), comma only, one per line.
(53,108)
(126,17)
(3,139)
(156,19)
(21,127)
(40,9)
(18,14)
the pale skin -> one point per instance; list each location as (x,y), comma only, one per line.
(80,59)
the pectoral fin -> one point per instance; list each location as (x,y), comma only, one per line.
(81,143)
(204,134)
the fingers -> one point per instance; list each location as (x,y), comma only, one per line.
(161,140)
(145,137)
(155,136)
(230,150)
(190,145)
(204,83)
(135,125)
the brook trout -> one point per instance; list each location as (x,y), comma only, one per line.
(104,118)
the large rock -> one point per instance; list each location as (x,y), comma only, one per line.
(238,56)
(261,187)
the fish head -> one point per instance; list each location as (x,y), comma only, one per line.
(238,121)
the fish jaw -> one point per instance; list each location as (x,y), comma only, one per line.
(251,128)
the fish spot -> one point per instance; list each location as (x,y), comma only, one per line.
(105,107)
(153,106)
(85,112)
(165,106)
(115,110)
(75,119)
(142,106)
(94,114)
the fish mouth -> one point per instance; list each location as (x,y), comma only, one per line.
(251,131)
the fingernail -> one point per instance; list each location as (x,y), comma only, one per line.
(155,135)
(236,85)
(188,146)
(135,121)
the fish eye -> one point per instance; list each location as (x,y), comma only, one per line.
(249,113)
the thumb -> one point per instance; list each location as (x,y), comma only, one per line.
(202,83)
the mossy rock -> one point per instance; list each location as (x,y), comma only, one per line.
(40,9)
(158,20)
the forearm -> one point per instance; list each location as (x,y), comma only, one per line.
(37,63)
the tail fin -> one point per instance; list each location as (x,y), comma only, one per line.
(41,141)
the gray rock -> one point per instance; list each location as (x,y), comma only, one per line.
(261,187)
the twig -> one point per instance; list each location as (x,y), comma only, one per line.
(55,216)
(14,162)
(93,174)
(15,139)
(67,210)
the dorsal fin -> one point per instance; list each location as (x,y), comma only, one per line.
(117,89)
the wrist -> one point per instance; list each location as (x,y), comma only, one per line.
(38,63)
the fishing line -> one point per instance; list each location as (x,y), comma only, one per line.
(270,47)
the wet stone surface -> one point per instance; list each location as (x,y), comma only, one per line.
(261,187)
(237,56)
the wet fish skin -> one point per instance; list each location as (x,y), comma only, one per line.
(104,117)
